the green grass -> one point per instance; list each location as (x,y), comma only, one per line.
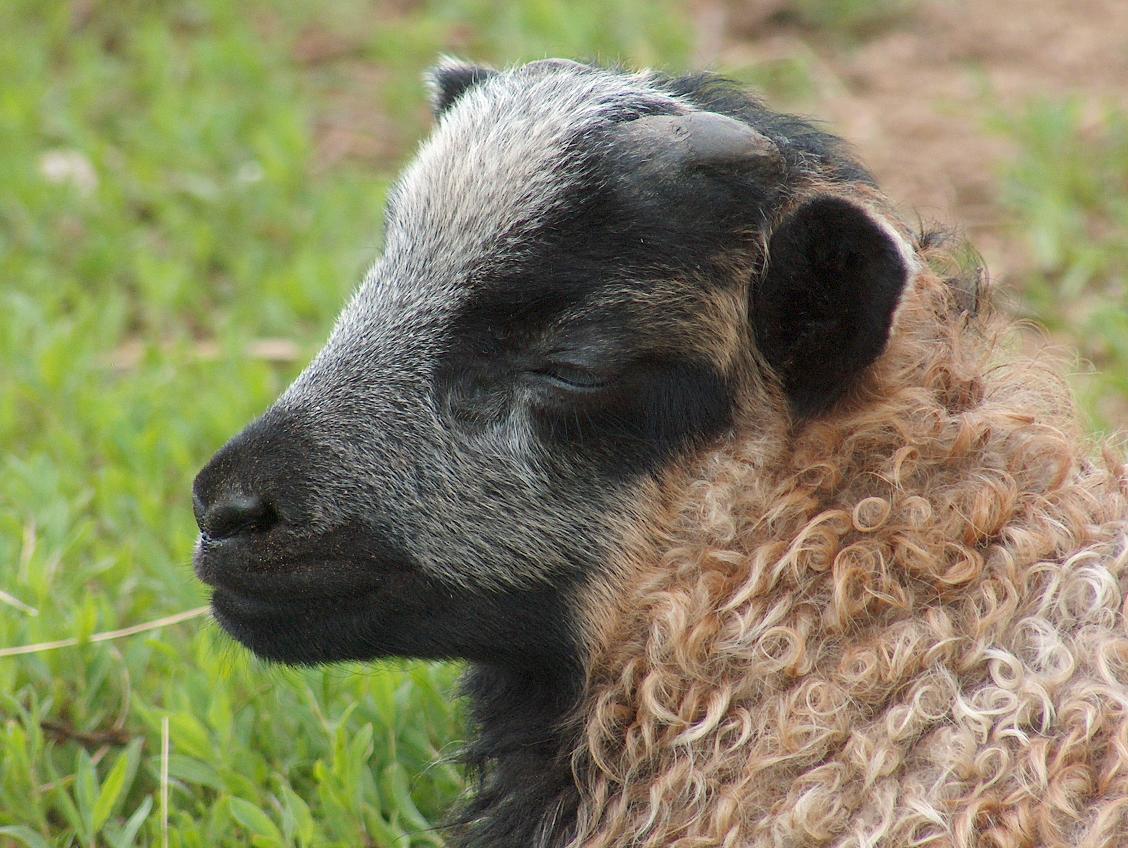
(169,200)
(183,181)
(1066,194)
(848,19)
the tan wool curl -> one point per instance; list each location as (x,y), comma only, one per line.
(902,624)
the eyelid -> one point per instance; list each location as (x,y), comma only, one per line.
(569,375)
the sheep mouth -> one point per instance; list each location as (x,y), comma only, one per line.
(297,624)
(294,582)
(297,631)
(339,564)
(292,599)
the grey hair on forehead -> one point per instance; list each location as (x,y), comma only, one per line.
(505,144)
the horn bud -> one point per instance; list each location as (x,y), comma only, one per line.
(700,140)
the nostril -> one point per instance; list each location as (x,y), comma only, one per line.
(235,515)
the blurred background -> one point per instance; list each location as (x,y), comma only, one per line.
(188,193)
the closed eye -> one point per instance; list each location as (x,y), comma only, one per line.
(571,377)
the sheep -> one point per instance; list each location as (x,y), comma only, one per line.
(723,480)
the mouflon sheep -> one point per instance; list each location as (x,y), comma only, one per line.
(723,480)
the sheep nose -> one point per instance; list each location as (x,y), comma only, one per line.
(248,487)
(232,514)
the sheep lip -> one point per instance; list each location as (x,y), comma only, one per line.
(282,580)
(281,570)
(230,604)
(309,581)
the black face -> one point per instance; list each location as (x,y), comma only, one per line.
(313,519)
(303,571)
(447,491)
(464,456)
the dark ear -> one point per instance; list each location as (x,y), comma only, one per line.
(449,79)
(822,311)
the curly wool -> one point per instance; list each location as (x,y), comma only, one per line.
(904,625)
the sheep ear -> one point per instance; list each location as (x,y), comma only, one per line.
(450,79)
(823,309)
